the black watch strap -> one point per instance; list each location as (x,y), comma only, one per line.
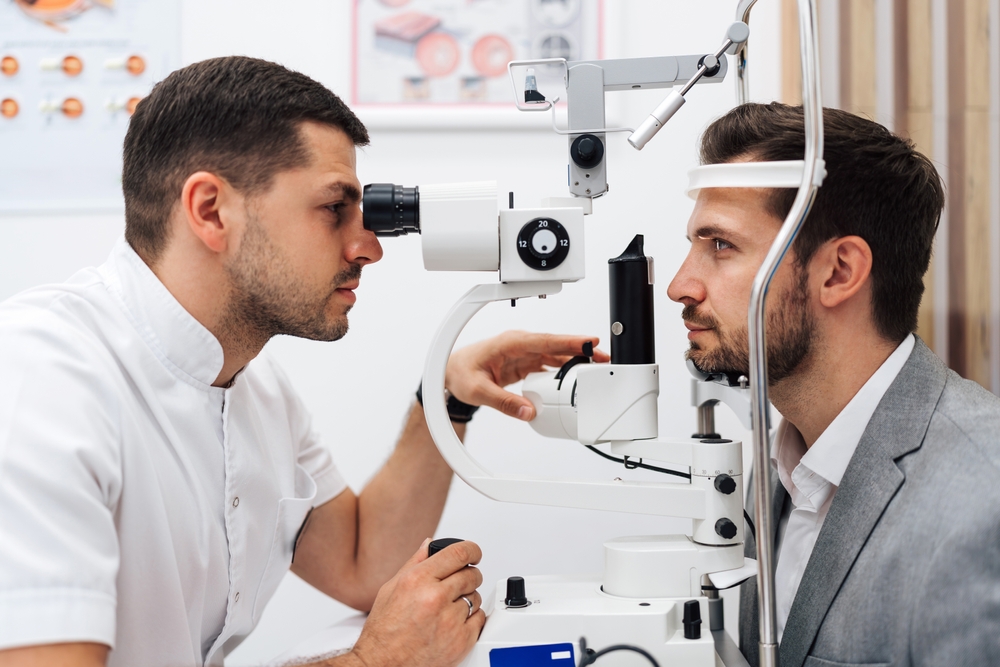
(458,412)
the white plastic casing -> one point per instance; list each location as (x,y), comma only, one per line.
(663,566)
(612,402)
(564,608)
(707,460)
(555,415)
(458,226)
(616,402)
(513,269)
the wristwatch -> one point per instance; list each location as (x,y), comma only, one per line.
(458,412)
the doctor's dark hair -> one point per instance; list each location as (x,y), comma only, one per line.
(877,187)
(236,117)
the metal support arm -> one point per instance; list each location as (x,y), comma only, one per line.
(655,498)
(813,113)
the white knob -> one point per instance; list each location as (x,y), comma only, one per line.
(544,242)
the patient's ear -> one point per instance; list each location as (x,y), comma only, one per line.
(205,204)
(844,264)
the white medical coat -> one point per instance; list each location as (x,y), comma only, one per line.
(140,507)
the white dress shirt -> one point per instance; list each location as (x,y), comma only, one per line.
(811,477)
(141,507)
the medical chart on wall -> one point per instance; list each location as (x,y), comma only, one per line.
(71,73)
(455,52)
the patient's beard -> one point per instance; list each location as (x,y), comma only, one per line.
(790,331)
(268,300)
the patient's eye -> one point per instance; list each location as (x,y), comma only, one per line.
(336,209)
(721,245)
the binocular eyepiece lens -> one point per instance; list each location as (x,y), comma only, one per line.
(391,210)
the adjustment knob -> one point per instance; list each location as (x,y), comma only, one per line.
(515,593)
(725,484)
(439,544)
(543,244)
(587,151)
(726,528)
(692,620)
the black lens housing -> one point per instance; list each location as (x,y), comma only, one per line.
(631,306)
(391,210)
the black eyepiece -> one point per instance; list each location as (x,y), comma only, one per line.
(391,210)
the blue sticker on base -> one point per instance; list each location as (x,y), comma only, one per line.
(542,655)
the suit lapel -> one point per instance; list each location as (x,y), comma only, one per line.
(869,484)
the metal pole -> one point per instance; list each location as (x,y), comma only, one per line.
(706,418)
(813,117)
(742,82)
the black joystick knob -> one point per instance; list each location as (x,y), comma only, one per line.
(725,484)
(726,528)
(439,544)
(587,151)
(692,620)
(515,593)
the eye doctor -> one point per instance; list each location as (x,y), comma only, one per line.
(158,474)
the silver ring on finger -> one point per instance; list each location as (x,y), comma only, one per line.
(468,602)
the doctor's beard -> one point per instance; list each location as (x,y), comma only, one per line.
(268,300)
(790,331)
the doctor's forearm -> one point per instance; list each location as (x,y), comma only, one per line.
(402,504)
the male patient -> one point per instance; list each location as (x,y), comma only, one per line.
(158,475)
(884,467)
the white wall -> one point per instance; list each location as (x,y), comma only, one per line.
(360,387)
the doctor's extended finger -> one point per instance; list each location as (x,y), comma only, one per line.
(498,398)
(553,344)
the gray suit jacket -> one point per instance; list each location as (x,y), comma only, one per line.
(906,570)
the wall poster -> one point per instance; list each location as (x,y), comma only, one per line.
(71,73)
(441,53)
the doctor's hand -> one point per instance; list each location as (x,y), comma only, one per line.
(420,616)
(477,374)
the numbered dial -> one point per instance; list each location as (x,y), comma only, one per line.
(543,244)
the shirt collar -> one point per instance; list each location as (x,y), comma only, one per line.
(832,452)
(181,342)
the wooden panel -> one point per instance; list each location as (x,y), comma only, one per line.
(977,50)
(845,53)
(862,93)
(919,123)
(901,62)
(791,61)
(957,302)
(921,132)
(920,95)
(977,192)
(977,247)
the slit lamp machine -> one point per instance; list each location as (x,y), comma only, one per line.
(657,601)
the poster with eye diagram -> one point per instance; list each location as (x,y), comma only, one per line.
(71,73)
(434,53)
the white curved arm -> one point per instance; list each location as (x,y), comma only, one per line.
(656,498)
